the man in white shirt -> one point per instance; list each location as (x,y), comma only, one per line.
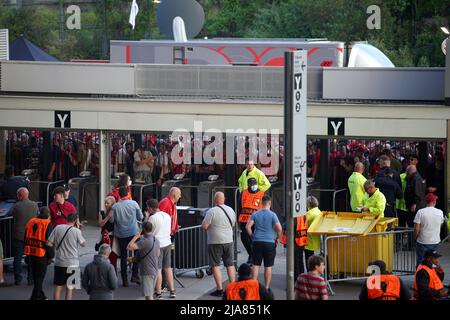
(161,222)
(427,227)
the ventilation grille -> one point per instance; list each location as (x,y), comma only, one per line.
(4,48)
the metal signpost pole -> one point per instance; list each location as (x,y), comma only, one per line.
(295,152)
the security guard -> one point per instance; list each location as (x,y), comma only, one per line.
(428,279)
(251,201)
(374,201)
(301,240)
(383,286)
(36,234)
(356,186)
(246,288)
(253,172)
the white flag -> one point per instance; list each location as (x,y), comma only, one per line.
(133,13)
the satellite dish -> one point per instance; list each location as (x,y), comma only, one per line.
(366,55)
(190,11)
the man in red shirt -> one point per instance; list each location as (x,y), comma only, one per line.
(60,209)
(168,205)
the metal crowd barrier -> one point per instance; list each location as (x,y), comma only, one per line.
(191,252)
(6,230)
(347,257)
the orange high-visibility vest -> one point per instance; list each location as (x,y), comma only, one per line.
(35,237)
(435,283)
(251,202)
(243,290)
(392,284)
(301,232)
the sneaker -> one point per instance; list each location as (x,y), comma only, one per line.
(157,296)
(164,290)
(217,293)
(172,294)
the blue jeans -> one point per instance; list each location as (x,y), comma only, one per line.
(18,249)
(421,249)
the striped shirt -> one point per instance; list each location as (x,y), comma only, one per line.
(309,287)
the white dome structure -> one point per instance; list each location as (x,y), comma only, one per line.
(367,56)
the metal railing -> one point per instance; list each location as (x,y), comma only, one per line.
(335,192)
(347,257)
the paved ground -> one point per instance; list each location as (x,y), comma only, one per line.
(195,288)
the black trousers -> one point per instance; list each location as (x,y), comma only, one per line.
(246,239)
(123,243)
(38,269)
(405,218)
(301,266)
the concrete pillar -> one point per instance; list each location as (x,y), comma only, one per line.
(3,138)
(105,168)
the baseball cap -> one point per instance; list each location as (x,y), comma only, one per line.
(252,181)
(430,197)
(432,253)
(66,187)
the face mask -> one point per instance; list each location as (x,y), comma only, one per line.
(254,188)
(433,265)
(129,183)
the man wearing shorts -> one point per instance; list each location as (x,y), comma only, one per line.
(265,238)
(219,222)
(161,223)
(147,255)
(65,238)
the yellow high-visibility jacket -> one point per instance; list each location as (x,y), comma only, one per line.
(376,203)
(356,187)
(263,182)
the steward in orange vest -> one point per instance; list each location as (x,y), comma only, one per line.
(35,239)
(382,285)
(251,201)
(246,288)
(36,235)
(301,232)
(428,278)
